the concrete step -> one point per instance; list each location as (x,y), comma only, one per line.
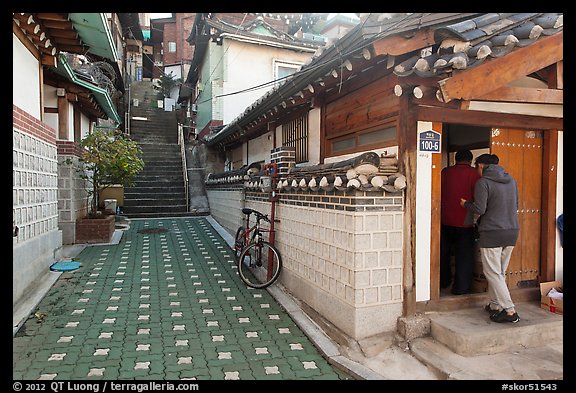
(469,331)
(166,214)
(153,201)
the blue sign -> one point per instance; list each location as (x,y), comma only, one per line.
(429,141)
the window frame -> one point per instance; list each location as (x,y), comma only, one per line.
(277,63)
(356,134)
(299,142)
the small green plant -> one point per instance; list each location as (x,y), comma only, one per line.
(108,158)
(168,82)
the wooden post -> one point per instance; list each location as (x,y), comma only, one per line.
(63,118)
(407,146)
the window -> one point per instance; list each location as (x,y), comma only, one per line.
(171,47)
(282,69)
(295,133)
(375,137)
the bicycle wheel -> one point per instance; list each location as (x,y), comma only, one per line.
(239,242)
(259,265)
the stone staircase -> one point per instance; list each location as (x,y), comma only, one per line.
(159,190)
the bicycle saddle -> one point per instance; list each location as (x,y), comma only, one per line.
(249,211)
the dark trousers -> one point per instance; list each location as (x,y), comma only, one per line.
(462,240)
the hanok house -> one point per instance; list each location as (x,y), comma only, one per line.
(55,103)
(360,137)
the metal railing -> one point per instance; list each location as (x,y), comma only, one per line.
(184,165)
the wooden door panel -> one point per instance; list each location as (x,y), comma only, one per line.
(530,264)
(531,206)
(504,144)
(520,153)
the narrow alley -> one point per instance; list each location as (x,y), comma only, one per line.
(163,304)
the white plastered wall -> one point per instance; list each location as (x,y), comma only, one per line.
(559,268)
(25,79)
(423,218)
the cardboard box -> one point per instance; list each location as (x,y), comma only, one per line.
(550,304)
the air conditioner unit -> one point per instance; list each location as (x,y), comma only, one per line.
(200,86)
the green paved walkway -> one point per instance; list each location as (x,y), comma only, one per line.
(165,303)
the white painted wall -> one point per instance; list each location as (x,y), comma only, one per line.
(423,218)
(314,139)
(259,60)
(259,148)
(50,101)
(559,268)
(25,79)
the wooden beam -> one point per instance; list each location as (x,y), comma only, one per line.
(57,24)
(70,34)
(524,94)
(48,60)
(25,40)
(482,79)
(63,118)
(52,16)
(414,80)
(434,102)
(81,49)
(397,45)
(488,119)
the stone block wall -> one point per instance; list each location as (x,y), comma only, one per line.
(342,251)
(34,201)
(226,203)
(72,191)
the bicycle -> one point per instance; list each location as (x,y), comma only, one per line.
(259,262)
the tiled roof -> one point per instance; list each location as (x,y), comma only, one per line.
(461,41)
(468,43)
(249,29)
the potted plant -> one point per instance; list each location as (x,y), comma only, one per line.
(107,158)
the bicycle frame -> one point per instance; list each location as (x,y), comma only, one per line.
(253,230)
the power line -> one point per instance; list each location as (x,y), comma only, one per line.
(312,68)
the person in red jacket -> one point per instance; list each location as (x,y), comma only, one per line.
(458,182)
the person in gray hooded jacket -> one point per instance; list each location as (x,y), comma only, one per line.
(496,204)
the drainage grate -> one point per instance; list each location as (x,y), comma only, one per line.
(153,230)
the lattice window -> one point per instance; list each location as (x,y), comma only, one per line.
(295,133)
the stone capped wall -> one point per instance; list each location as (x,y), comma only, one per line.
(342,251)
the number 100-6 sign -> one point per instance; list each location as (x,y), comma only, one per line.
(429,141)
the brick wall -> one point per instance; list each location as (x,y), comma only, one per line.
(95,230)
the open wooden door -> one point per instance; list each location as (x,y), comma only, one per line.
(520,153)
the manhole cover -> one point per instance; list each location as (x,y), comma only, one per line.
(153,230)
(65,266)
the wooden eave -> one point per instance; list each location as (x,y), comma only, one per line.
(483,79)
(398,45)
(339,81)
(50,32)
(77,94)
